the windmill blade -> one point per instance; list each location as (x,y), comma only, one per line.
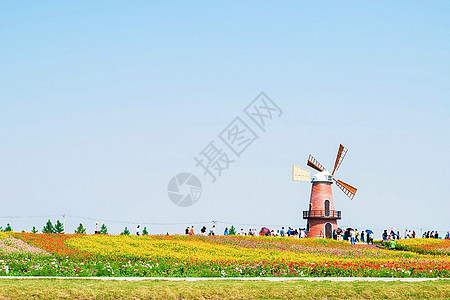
(300,174)
(349,190)
(339,157)
(315,164)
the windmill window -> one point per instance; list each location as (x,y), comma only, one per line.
(327,208)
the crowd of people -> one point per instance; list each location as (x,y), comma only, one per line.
(351,235)
(392,235)
(434,235)
(264,231)
(411,234)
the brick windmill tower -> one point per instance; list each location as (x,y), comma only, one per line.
(321,216)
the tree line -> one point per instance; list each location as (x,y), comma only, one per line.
(58,227)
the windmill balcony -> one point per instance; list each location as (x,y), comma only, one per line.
(326,214)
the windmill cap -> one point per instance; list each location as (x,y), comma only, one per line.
(323,176)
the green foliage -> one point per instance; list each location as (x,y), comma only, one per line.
(145,232)
(59,228)
(34,230)
(48,228)
(7,228)
(80,229)
(104,229)
(125,231)
(232,230)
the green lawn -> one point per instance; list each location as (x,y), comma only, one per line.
(222,289)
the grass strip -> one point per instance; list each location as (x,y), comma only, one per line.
(218,289)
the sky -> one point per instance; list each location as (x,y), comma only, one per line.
(103,103)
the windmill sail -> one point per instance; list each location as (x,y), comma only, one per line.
(349,190)
(300,174)
(315,164)
(339,158)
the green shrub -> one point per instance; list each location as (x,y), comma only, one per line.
(80,229)
(145,232)
(59,228)
(104,229)
(125,231)
(48,228)
(232,230)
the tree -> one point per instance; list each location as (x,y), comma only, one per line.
(48,228)
(80,229)
(145,232)
(104,229)
(232,230)
(59,228)
(34,230)
(7,228)
(125,231)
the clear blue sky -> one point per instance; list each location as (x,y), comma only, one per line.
(102,103)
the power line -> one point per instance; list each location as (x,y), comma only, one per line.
(134,222)
(25,217)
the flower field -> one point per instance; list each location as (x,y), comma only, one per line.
(425,246)
(213,256)
(11,245)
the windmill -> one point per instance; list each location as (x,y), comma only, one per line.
(322,216)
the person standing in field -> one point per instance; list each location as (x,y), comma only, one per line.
(203,230)
(392,244)
(186,231)
(213,230)
(225,232)
(370,238)
(302,234)
(191,232)
(138,230)
(352,237)
(96,228)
